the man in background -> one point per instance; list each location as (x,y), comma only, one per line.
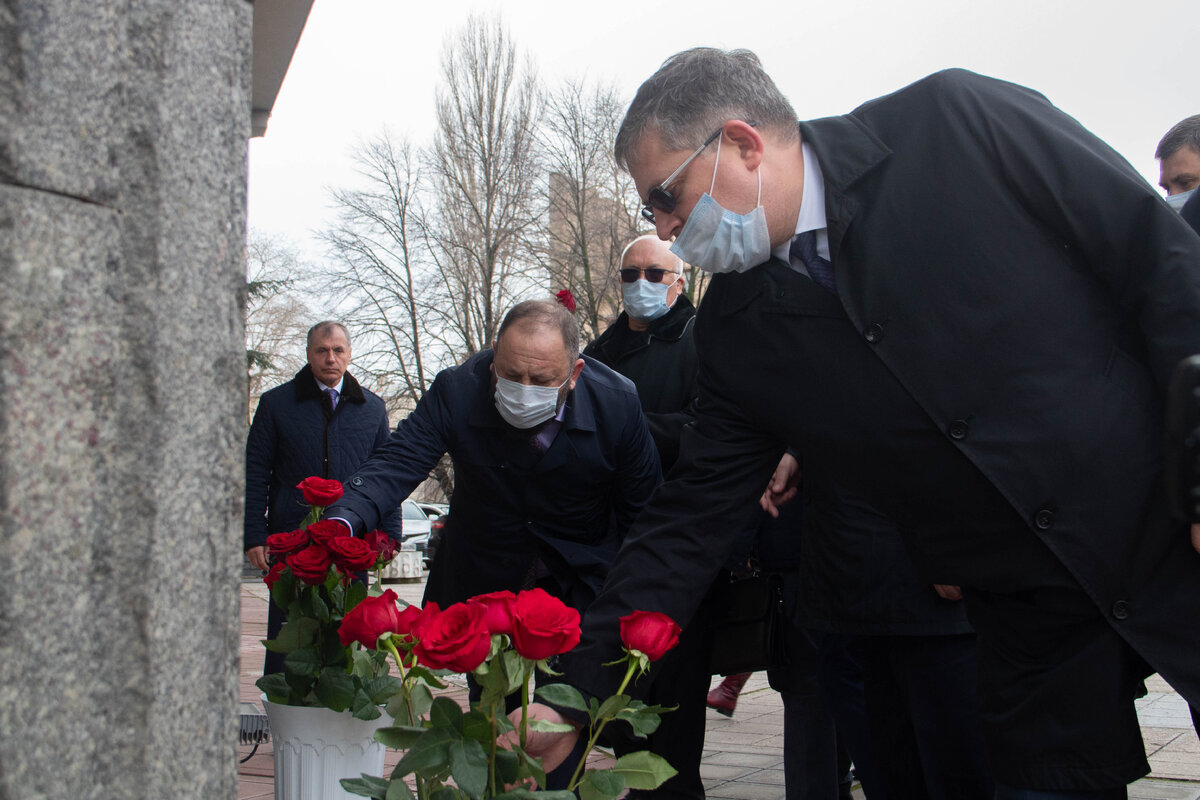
(321,422)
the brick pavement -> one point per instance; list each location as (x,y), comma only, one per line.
(743,756)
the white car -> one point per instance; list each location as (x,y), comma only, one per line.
(415,527)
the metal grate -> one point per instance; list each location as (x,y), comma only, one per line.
(255,729)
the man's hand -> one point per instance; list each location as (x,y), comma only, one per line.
(783,485)
(948,591)
(258,557)
(1196,536)
(552,748)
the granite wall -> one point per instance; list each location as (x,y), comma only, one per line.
(123,131)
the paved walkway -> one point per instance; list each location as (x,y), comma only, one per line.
(743,757)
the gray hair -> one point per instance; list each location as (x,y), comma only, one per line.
(696,92)
(548,314)
(1185,134)
(322,329)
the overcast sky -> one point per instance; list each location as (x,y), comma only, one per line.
(1125,69)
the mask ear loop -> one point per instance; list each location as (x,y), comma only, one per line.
(713,185)
(758,202)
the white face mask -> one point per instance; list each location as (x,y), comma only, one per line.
(1177,201)
(717,240)
(645,300)
(526,406)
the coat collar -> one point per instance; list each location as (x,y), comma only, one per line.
(305,386)
(670,327)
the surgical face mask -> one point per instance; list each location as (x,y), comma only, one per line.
(1177,201)
(645,300)
(717,240)
(526,406)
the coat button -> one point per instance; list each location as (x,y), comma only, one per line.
(1044,519)
(958,429)
(1120,609)
(356,481)
(874,332)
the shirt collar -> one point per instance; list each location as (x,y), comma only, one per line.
(323,387)
(812,204)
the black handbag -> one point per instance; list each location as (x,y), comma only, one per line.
(747,624)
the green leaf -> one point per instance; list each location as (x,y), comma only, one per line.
(425,675)
(303,661)
(295,633)
(477,726)
(399,737)
(643,770)
(469,766)
(365,787)
(614,704)
(546,726)
(562,694)
(507,764)
(273,686)
(356,592)
(381,689)
(447,793)
(362,707)
(320,609)
(301,685)
(429,754)
(532,768)
(600,785)
(335,689)
(445,713)
(514,669)
(399,791)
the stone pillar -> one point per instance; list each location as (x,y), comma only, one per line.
(123,131)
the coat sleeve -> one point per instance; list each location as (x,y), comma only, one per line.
(638,469)
(393,523)
(260,456)
(406,458)
(1095,203)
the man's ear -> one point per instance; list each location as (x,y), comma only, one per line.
(748,141)
(575,372)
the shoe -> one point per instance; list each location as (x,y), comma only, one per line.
(723,699)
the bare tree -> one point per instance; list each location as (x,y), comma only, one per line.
(276,317)
(592,204)
(484,171)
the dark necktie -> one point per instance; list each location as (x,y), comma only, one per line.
(333,397)
(804,247)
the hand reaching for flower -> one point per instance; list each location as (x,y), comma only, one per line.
(552,748)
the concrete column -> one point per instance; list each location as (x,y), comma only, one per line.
(123,132)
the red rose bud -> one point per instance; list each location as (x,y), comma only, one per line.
(320,491)
(543,625)
(284,544)
(350,554)
(499,607)
(650,633)
(276,571)
(325,530)
(310,565)
(455,639)
(370,619)
(383,545)
(567,299)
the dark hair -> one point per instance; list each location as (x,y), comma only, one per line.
(1185,134)
(321,329)
(699,90)
(547,314)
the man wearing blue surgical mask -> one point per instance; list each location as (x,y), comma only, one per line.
(651,341)
(1179,168)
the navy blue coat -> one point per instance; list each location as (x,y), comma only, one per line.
(295,435)
(569,508)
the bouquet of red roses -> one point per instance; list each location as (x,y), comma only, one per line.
(500,638)
(312,579)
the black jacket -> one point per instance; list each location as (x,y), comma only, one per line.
(295,435)
(1012,298)
(661,362)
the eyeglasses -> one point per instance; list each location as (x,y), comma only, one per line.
(653,274)
(663,199)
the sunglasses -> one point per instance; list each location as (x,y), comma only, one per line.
(653,274)
(660,198)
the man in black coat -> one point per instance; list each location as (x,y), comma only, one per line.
(962,306)
(321,422)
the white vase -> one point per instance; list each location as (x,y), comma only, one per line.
(315,748)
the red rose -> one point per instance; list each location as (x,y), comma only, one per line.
(350,554)
(320,491)
(310,565)
(456,639)
(499,607)
(383,545)
(284,544)
(543,625)
(370,619)
(325,530)
(408,617)
(650,633)
(567,299)
(276,570)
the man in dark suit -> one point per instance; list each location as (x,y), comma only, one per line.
(962,306)
(552,462)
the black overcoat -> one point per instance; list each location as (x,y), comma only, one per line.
(1012,299)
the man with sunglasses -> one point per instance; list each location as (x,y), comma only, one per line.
(961,305)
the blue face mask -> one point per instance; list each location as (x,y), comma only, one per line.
(1177,201)
(645,300)
(717,240)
